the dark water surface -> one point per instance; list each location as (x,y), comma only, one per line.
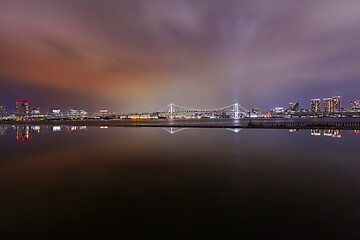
(148,182)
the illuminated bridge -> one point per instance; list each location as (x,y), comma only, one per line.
(175,111)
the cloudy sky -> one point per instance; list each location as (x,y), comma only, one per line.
(141,55)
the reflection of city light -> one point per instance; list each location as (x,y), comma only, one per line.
(315,132)
(357,132)
(104,127)
(35,128)
(23,133)
(56,128)
(294,130)
(335,133)
(75,128)
(327,133)
(3,130)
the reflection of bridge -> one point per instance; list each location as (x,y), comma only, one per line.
(173,130)
(175,111)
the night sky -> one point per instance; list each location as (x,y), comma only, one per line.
(140,55)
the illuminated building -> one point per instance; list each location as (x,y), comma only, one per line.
(315,105)
(104,111)
(76,112)
(332,104)
(82,112)
(279,110)
(2,111)
(355,104)
(336,104)
(23,108)
(294,107)
(55,111)
(35,111)
(255,110)
(72,111)
(154,115)
(327,104)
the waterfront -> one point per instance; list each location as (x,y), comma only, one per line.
(275,123)
(75,180)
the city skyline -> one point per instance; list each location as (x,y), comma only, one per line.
(316,105)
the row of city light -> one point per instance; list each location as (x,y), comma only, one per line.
(330,105)
(24,133)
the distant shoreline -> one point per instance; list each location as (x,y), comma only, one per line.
(271,123)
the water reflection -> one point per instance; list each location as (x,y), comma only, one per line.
(332,133)
(3,130)
(75,128)
(89,176)
(172,130)
(315,132)
(23,133)
(26,132)
(235,130)
(294,130)
(335,133)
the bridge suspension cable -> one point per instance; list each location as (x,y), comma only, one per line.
(171,108)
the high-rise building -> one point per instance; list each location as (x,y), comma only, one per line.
(2,111)
(327,104)
(355,104)
(23,108)
(315,105)
(294,107)
(332,104)
(336,104)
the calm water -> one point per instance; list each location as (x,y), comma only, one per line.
(179,183)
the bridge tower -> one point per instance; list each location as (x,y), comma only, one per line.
(236,111)
(171,110)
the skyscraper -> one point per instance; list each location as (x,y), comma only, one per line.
(23,108)
(336,104)
(332,104)
(315,105)
(2,111)
(327,104)
(294,107)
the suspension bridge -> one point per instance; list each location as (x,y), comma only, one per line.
(174,111)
